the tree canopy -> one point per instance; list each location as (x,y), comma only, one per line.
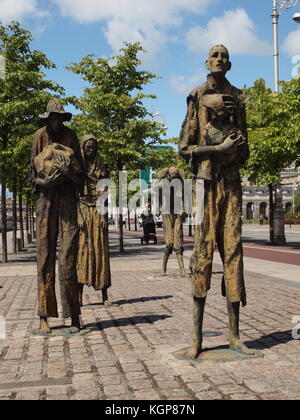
(113,106)
(273,126)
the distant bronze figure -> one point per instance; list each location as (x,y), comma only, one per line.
(57,173)
(214,142)
(93,265)
(173,221)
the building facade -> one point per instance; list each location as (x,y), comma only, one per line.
(256,199)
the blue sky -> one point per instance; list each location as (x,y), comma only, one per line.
(177,33)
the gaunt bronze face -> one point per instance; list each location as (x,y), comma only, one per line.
(218,61)
(90,148)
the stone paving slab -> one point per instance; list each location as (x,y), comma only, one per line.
(127,352)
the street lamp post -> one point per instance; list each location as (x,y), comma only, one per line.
(278,226)
(280,4)
(275,17)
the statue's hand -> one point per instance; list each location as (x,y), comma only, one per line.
(231,143)
(49,181)
(62,165)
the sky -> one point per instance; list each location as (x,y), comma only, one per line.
(176,33)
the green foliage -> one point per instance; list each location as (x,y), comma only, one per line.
(113,107)
(159,158)
(273,126)
(24,93)
(297,201)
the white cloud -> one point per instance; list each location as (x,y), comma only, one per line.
(133,20)
(291,45)
(18,9)
(234,29)
(183,85)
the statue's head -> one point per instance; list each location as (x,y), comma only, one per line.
(90,146)
(56,115)
(218,62)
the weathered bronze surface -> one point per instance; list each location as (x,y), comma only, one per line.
(173,222)
(216,355)
(57,172)
(214,142)
(93,264)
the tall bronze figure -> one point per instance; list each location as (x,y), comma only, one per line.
(174,218)
(214,142)
(57,173)
(93,265)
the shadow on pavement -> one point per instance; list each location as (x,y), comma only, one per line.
(135,320)
(142,299)
(131,301)
(271,340)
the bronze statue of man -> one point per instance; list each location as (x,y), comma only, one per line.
(57,174)
(174,216)
(215,144)
(93,264)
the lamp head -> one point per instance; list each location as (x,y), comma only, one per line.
(296,17)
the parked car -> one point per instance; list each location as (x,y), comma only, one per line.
(111,221)
(10,223)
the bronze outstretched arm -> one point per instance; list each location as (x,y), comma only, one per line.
(230,144)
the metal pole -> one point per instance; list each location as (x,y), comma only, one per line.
(275,16)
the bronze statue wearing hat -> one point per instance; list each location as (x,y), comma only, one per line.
(93,264)
(57,174)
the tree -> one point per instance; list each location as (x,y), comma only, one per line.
(24,93)
(113,109)
(297,201)
(164,155)
(273,127)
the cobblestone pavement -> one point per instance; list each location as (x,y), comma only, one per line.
(126,351)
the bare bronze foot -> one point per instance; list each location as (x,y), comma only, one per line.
(75,327)
(183,274)
(106,302)
(194,352)
(44,326)
(238,346)
(74,330)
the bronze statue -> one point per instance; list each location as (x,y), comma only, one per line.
(57,172)
(215,144)
(93,265)
(173,221)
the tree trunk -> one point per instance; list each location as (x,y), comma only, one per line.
(4,224)
(135,222)
(21,221)
(129,225)
(121,233)
(15,216)
(33,220)
(271,213)
(30,220)
(27,219)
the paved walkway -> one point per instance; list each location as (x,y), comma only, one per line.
(126,352)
